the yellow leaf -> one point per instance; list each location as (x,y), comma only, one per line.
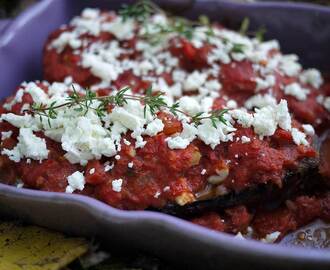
(34,248)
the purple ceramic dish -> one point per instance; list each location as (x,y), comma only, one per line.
(301,28)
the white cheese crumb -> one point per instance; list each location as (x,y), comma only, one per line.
(260,101)
(127,142)
(240,236)
(231,104)
(243,118)
(194,81)
(76,181)
(326,103)
(90,13)
(157,194)
(154,127)
(189,105)
(268,82)
(92,171)
(245,139)
(282,115)
(17,99)
(289,65)
(130,164)
(203,172)
(266,119)
(295,89)
(271,237)
(29,146)
(309,130)
(108,167)
(64,39)
(6,134)
(298,137)
(116,185)
(177,143)
(123,30)
(167,188)
(117,157)
(20,185)
(311,76)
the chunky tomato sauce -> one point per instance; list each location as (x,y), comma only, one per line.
(238,79)
(161,175)
(154,180)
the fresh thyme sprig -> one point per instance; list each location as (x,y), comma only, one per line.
(143,9)
(244,30)
(153,101)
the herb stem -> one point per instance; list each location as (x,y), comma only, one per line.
(153,102)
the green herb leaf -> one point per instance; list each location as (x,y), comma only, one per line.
(140,11)
(244,26)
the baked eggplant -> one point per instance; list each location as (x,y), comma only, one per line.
(305,178)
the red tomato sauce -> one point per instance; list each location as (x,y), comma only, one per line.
(155,180)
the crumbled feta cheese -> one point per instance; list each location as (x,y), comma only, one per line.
(29,146)
(271,237)
(19,121)
(289,65)
(154,127)
(295,89)
(212,85)
(309,130)
(84,138)
(299,137)
(127,142)
(92,171)
(268,82)
(177,143)
(117,185)
(264,121)
(189,105)
(243,118)
(211,135)
(282,115)
(311,76)
(231,104)
(6,134)
(130,164)
(90,13)
(326,103)
(260,101)
(20,185)
(240,236)
(267,118)
(108,167)
(203,172)
(117,157)
(245,139)
(64,39)
(121,29)
(106,71)
(17,99)
(157,194)
(194,81)
(75,181)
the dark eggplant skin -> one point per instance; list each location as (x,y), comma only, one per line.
(305,178)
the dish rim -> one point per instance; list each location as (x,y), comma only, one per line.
(170,223)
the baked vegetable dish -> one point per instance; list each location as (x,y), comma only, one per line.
(144,110)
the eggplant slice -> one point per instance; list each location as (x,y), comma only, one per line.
(304,179)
